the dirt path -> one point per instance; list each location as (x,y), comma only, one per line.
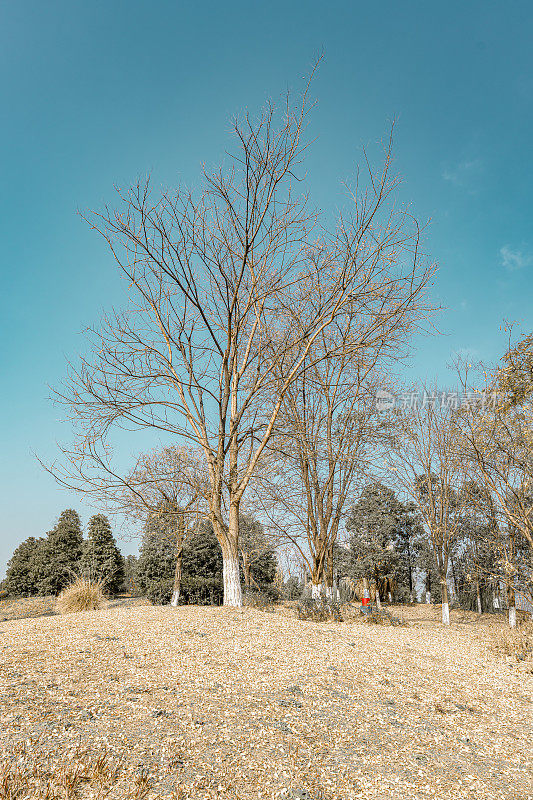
(252,705)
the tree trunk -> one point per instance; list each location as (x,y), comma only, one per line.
(478,599)
(230,560)
(378,598)
(455,588)
(246,570)
(316,591)
(180,535)
(177,580)
(512,605)
(445,604)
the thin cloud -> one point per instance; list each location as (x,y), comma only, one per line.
(462,173)
(514,260)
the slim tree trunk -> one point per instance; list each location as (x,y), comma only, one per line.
(180,535)
(512,604)
(455,588)
(378,598)
(445,604)
(428,587)
(246,570)
(329,575)
(177,579)
(478,598)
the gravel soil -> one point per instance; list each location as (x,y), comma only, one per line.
(198,702)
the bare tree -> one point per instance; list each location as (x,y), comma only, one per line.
(315,459)
(171,483)
(426,464)
(496,428)
(328,432)
(221,310)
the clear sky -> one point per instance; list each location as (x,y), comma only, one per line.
(96,93)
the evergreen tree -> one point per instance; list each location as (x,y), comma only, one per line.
(257,555)
(23,569)
(427,563)
(157,561)
(101,559)
(409,530)
(202,568)
(201,579)
(130,575)
(374,526)
(60,554)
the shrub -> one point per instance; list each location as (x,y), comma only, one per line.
(82,595)
(517,643)
(375,617)
(257,599)
(320,610)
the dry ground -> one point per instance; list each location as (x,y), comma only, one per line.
(199,702)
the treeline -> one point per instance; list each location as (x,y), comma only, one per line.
(45,566)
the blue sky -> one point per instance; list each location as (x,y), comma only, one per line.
(96,93)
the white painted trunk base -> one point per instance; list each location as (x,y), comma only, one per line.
(428,597)
(445,614)
(316,591)
(232,581)
(478,600)
(512,616)
(496,602)
(174,600)
(390,597)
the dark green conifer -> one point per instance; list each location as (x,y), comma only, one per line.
(23,569)
(101,559)
(60,554)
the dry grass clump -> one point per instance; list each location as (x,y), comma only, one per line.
(320,610)
(382,617)
(515,643)
(82,595)
(27,775)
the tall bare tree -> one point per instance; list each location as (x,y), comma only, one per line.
(426,463)
(496,428)
(222,309)
(315,460)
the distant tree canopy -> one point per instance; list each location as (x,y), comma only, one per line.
(101,559)
(383,542)
(257,556)
(60,554)
(22,574)
(201,561)
(201,564)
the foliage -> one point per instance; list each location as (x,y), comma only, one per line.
(101,559)
(291,589)
(201,579)
(379,617)
(157,561)
(382,532)
(202,568)
(22,569)
(130,575)
(257,599)
(256,554)
(60,554)
(82,595)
